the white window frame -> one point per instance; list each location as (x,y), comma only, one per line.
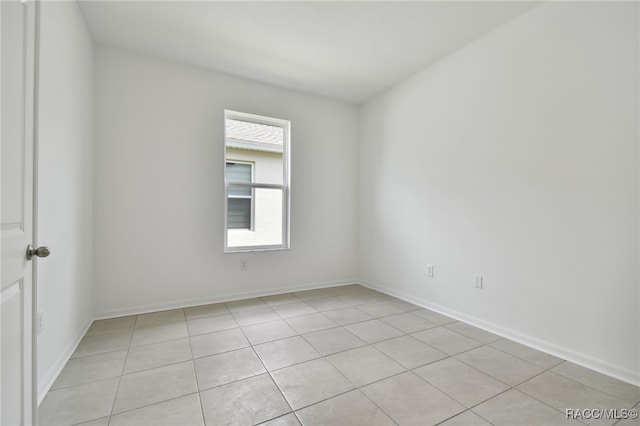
(285,187)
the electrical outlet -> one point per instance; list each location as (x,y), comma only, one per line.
(40,322)
(430,271)
(244,265)
(477,281)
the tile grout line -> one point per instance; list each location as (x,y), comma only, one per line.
(542,402)
(195,374)
(550,369)
(270,377)
(173,398)
(115,397)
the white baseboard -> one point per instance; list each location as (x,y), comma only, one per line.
(584,360)
(568,354)
(50,377)
(185,303)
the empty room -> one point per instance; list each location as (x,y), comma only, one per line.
(320,213)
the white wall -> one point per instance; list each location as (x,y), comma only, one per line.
(64,185)
(516,158)
(159,189)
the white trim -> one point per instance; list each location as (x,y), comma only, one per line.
(254,118)
(49,378)
(254,185)
(601,366)
(228,297)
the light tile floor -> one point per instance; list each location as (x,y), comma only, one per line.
(339,356)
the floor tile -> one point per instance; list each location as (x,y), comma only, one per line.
(91,368)
(465,384)
(310,323)
(409,351)
(247,402)
(184,411)
(513,408)
(314,294)
(499,365)
(407,306)
(246,305)
(359,298)
(454,365)
(606,384)
(333,340)
(157,355)
(474,332)
(104,421)
(365,365)
(201,311)
(273,330)
(211,324)
(285,352)
(227,367)
(310,382)
(77,404)
(349,288)
(373,331)
(255,316)
(445,340)
(562,393)
(386,307)
(526,353)
(409,400)
(111,325)
(630,419)
(155,319)
(346,316)
(102,343)
(433,316)
(151,386)
(468,418)
(218,342)
(345,289)
(349,409)
(160,333)
(408,323)
(286,420)
(294,309)
(327,303)
(279,299)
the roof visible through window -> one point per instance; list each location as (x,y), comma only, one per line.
(254,132)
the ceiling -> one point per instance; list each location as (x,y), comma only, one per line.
(349,50)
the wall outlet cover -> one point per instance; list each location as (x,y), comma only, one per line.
(477,281)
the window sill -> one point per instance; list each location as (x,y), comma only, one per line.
(229,250)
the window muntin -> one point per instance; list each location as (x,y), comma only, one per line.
(261,143)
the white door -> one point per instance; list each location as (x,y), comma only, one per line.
(17,295)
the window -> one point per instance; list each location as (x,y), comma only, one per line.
(240,208)
(256,182)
